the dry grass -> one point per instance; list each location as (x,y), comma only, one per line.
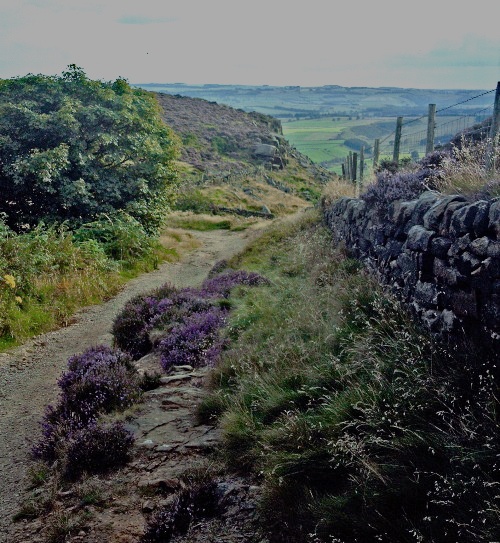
(469,170)
(180,221)
(178,240)
(336,189)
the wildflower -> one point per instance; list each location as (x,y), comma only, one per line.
(9,279)
(19,300)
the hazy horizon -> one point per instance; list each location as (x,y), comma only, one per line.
(231,42)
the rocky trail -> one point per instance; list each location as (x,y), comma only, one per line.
(168,441)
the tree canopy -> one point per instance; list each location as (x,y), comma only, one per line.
(72,148)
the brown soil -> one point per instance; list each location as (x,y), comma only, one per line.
(28,383)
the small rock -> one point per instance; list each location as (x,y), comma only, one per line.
(147,506)
(171,378)
(182,368)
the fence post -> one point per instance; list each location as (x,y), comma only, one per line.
(431,125)
(359,180)
(354,166)
(494,131)
(397,140)
(343,170)
(495,121)
(376,153)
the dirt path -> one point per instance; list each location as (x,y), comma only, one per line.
(28,374)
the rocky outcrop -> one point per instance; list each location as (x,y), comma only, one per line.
(440,254)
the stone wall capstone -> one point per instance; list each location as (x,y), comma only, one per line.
(439,254)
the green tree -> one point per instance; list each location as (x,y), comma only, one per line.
(72,148)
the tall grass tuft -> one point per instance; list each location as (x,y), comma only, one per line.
(359,426)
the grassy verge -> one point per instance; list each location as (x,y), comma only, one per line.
(206,222)
(47,274)
(358,426)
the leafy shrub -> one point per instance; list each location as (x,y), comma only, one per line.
(97,449)
(192,200)
(122,237)
(91,147)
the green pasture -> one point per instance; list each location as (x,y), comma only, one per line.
(325,141)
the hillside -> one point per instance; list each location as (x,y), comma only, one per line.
(299,102)
(240,160)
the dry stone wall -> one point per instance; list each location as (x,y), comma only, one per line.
(440,254)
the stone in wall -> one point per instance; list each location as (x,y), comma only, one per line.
(440,254)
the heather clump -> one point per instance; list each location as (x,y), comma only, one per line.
(389,187)
(98,381)
(189,319)
(221,285)
(97,448)
(195,341)
(131,325)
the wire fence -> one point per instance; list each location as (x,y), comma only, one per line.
(415,137)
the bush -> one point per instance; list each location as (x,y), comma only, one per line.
(122,237)
(91,148)
(194,342)
(99,381)
(173,309)
(389,187)
(132,325)
(97,449)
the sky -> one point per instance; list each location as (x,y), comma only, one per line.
(420,44)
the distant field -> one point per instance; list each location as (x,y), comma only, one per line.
(328,141)
(324,140)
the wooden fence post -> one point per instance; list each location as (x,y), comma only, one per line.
(349,165)
(495,121)
(376,153)
(354,166)
(431,125)
(359,181)
(494,131)
(397,140)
